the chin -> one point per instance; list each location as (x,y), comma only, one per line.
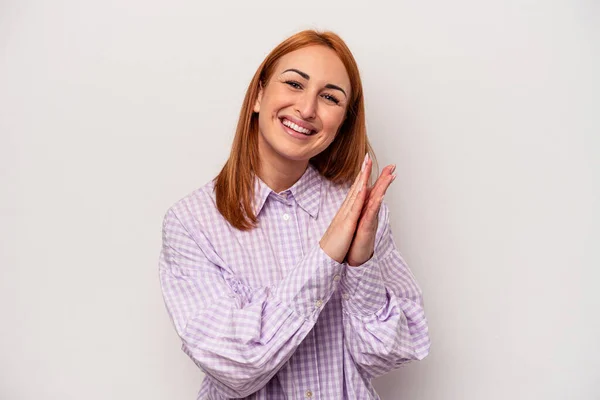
(289,149)
(292,155)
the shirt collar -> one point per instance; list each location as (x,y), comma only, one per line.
(306,191)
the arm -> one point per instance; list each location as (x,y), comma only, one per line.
(240,337)
(384,321)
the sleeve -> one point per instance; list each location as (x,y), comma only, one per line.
(383,315)
(238,336)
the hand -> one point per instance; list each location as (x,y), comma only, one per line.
(338,237)
(363,244)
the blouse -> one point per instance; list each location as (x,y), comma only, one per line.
(267,314)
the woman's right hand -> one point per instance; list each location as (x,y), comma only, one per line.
(337,239)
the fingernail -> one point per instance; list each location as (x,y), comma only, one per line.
(393,177)
(364,164)
(393,168)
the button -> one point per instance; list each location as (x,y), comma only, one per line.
(337,278)
(308,394)
(318,303)
(345,296)
(286,217)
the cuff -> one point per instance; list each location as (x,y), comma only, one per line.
(363,291)
(309,286)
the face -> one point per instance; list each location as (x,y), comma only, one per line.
(303,105)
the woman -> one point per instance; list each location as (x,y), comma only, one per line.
(281,275)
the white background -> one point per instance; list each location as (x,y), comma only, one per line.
(110,111)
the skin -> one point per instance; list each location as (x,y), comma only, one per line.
(311,87)
(368,200)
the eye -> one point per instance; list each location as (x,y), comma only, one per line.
(331,98)
(294,84)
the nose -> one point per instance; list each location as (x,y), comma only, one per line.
(307,106)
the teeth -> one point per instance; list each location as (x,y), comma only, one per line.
(295,127)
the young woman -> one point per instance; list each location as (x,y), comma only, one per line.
(281,275)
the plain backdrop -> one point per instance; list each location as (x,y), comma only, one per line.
(110,111)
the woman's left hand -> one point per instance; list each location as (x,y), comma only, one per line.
(363,243)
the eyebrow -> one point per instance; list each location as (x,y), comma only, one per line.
(307,77)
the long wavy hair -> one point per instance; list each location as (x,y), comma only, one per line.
(340,162)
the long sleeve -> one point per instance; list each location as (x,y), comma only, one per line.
(383,316)
(239,336)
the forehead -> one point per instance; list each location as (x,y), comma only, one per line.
(321,63)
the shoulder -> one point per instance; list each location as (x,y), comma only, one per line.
(196,209)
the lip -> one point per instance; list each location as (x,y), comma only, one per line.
(300,123)
(293,133)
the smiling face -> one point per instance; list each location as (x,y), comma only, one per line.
(302,106)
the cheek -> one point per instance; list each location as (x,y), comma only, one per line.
(268,109)
(278,97)
(334,121)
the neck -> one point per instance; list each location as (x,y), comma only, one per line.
(278,172)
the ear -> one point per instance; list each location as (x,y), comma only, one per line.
(258,99)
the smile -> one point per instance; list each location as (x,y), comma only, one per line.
(297,128)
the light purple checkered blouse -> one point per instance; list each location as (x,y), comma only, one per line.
(266,314)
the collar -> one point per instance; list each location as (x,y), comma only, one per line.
(306,191)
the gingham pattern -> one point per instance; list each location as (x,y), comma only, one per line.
(266,314)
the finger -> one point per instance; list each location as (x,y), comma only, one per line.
(387,171)
(355,184)
(359,196)
(370,213)
(354,189)
(369,221)
(384,181)
(381,181)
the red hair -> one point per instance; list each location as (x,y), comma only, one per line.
(340,162)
